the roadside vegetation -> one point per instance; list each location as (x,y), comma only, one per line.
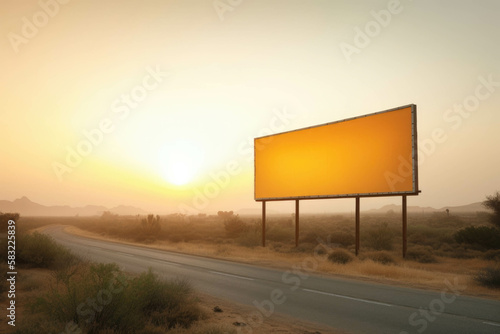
(463,244)
(61,293)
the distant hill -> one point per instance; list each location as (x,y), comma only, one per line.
(473,207)
(26,207)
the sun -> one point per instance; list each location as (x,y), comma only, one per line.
(180,162)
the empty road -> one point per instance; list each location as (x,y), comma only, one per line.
(349,305)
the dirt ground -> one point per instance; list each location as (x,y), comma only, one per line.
(236,316)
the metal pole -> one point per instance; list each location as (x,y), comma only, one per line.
(296,223)
(263,223)
(404,225)
(357,226)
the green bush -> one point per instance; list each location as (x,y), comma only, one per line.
(482,236)
(99,298)
(340,256)
(41,251)
(166,303)
(489,277)
(422,254)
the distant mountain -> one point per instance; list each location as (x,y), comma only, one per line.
(473,207)
(26,207)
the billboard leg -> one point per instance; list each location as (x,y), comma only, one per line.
(404,211)
(296,223)
(263,223)
(357,226)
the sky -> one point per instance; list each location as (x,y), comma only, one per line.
(155,104)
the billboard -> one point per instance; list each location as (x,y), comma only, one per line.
(370,155)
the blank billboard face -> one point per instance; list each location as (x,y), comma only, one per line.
(372,155)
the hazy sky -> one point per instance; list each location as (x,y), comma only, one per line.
(156,103)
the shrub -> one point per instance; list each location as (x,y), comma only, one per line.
(167,303)
(380,237)
(493,203)
(123,304)
(40,250)
(4,219)
(492,255)
(303,247)
(151,224)
(381,257)
(481,236)
(249,239)
(234,226)
(340,256)
(421,254)
(342,238)
(279,233)
(462,252)
(489,277)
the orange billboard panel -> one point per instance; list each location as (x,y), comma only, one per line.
(371,155)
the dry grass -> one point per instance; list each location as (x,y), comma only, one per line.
(29,283)
(33,282)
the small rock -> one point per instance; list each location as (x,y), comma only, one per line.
(217,309)
(239,324)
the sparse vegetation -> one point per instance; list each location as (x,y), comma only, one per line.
(234,226)
(380,237)
(39,250)
(482,237)
(493,203)
(98,298)
(422,254)
(4,218)
(124,304)
(437,237)
(340,256)
(383,257)
(489,277)
(151,224)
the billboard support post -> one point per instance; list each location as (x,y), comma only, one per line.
(263,223)
(357,226)
(404,211)
(296,223)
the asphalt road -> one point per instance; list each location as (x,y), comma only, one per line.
(349,305)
